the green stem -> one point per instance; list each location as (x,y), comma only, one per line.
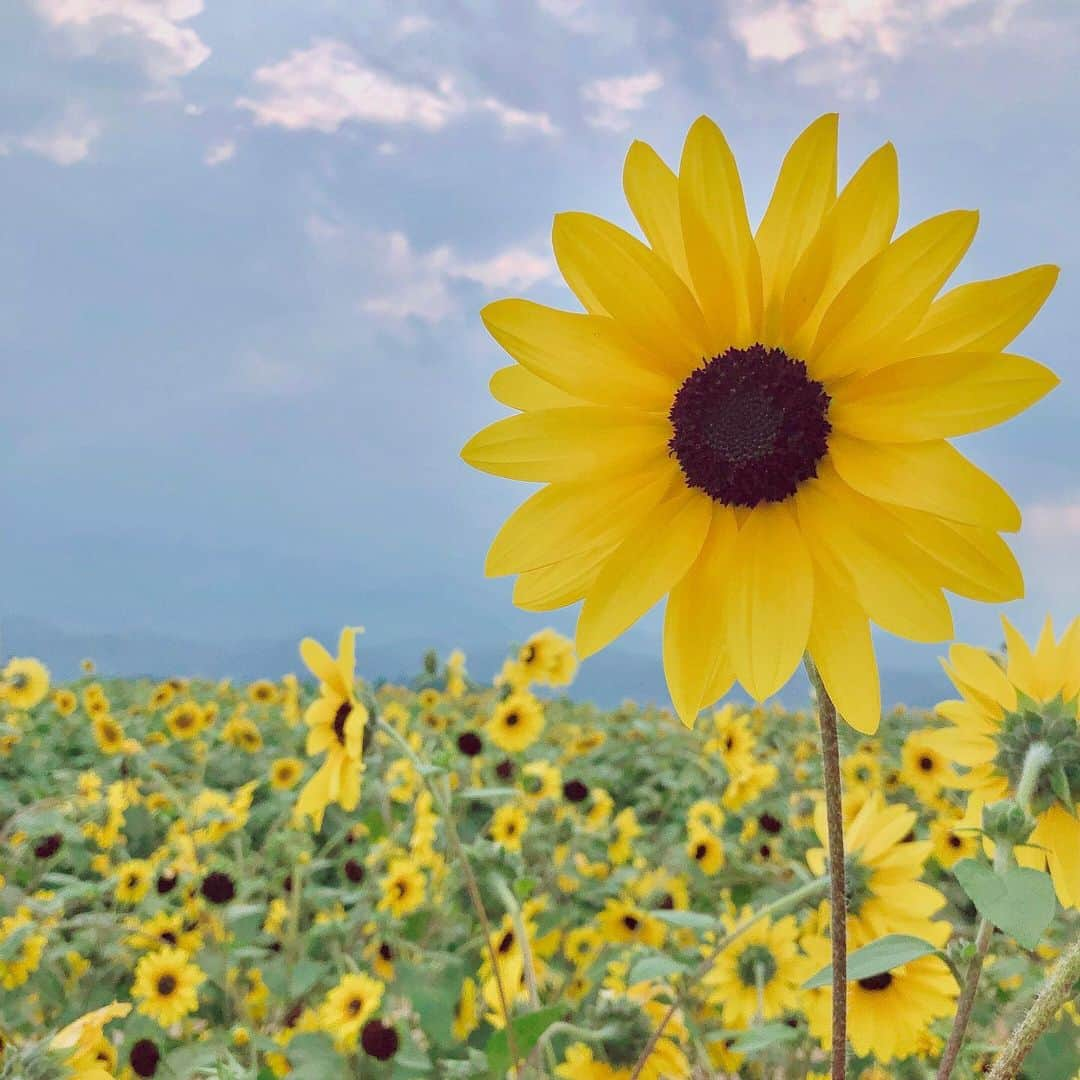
(967,1000)
(812,890)
(1057,989)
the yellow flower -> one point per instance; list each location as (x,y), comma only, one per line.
(956,836)
(508,825)
(166,984)
(185,721)
(133,881)
(285,773)
(402,888)
(65,701)
(24,682)
(1006,712)
(20,960)
(706,850)
(263,692)
(108,734)
(466,1015)
(348,1007)
(516,722)
(923,768)
(755,425)
(623,922)
(89,1048)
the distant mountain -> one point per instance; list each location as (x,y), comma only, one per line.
(608,678)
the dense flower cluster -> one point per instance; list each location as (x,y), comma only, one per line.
(268,877)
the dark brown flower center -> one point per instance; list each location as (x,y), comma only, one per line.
(926,763)
(166,985)
(750,426)
(340,719)
(877,982)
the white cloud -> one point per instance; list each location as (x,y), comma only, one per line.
(323,87)
(220,152)
(408,25)
(612,99)
(66,142)
(420,285)
(1053,521)
(151,29)
(842,42)
(329,84)
(264,376)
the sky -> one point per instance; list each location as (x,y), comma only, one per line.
(244,246)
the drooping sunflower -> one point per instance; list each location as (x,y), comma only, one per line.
(755,425)
(1005,711)
(336,722)
(166,985)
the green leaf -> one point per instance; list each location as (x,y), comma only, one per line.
(687,920)
(433,996)
(882,955)
(305,975)
(1020,902)
(655,966)
(186,1060)
(1059,784)
(312,1057)
(527,1030)
(758,1038)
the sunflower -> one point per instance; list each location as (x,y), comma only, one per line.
(263,692)
(758,974)
(285,773)
(622,922)
(732,740)
(336,724)
(133,881)
(516,722)
(508,826)
(108,734)
(24,682)
(185,721)
(706,850)
(65,701)
(88,1049)
(924,768)
(166,984)
(402,888)
(466,1016)
(883,867)
(348,1007)
(1005,712)
(955,836)
(756,425)
(889,1013)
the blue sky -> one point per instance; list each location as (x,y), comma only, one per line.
(244,246)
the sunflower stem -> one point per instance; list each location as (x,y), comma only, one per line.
(830,760)
(1055,992)
(967,1000)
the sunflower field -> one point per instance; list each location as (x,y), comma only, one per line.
(324,877)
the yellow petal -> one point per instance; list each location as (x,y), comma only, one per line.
(964,747)
(975,669)
(640,291)
(1070,653)
(805,190)
(930,476)
(769,599)
(983,316)
(1020,662)
(519,388)
(720,247)
(974,562)
(652,190)
(322,665)
(646,566)
(587,356)
(893,580)
(1059,832)
(563,582)
(856,228)
(346,658)
(563,520)
(695,655)
(843,652)
(569,444)
(937,397)
(885,300)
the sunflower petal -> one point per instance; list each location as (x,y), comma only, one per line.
(587,356)
(563,582)
(646,566)
(562,520)
(568,444)
(1059,832)
(769,599)
(888,297)
(720,247)
(937,397)
(322,665)
(694,649)
(983,316)
(519,388)
(640,291)
(856,228)
(930,476)
(652,191)
(805,191)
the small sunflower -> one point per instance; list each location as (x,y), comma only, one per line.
(348,1007)
(1032,701)
(706,850)
(263,692)
(285,773)
(65,701)
(956,836)
(166,985)
(756,425)
(402,888)
(924,768)
(108,734)
(24,682)
(133,881)
(185,721)
(622,922)
(508,826)
(466,1014)
(516,722)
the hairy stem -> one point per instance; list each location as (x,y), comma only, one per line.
(967,1000)
(1057,989)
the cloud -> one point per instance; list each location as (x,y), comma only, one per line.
(260,375)
(408,25)
(612,99)
(220,152)
(329,84)
(841,42)
(150,29)
(67,142)
(421,285)
(1053,521)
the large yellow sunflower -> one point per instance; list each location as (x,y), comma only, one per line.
(1033,701)
(755,425)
